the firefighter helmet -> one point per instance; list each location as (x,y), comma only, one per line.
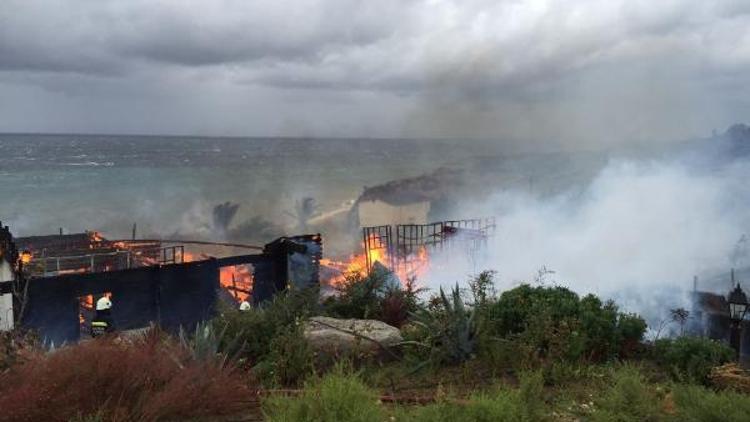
(103,303)
(244,306)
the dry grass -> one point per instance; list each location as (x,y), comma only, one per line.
(148,379)
(731,376)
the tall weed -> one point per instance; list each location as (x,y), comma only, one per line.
(698,404)
(523,405)
(629,398)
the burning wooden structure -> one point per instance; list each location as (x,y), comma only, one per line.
(53,282)
(406,253)
(411,200)
(89,252)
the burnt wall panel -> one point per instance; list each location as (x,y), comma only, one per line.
(134,296)
(268,280)
(133,293)
(52,310)
(172,295)
(187,294)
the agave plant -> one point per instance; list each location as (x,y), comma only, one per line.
(204,344)
(451,327)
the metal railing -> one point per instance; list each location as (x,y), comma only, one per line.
(105,261)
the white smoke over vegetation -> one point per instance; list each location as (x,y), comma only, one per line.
(638,233)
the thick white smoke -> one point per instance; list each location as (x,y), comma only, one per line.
(638,233)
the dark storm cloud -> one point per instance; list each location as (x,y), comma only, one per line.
(245,31)
(495,68)
(93,37)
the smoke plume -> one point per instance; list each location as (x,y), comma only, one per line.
(638,233)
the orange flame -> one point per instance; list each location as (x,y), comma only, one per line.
(238,280)
(413,266)
(26,257)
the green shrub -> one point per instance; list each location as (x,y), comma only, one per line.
(256,328)
(338,396)
(558,325)
(631,327)
(698,404)
(691,358)
(290,359)
(530,396)
(628,399)
(374,296)
(358,297)
(502,354)
(205,344)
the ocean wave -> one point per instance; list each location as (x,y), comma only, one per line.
(90,164)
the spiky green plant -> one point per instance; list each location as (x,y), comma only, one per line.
(204,344)
(451,328)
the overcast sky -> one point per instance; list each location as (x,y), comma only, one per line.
(583,72)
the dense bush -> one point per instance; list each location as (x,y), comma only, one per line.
(255,328)
(691,358)
(338,396)
(698,404)
(358,296)
(149,379)
(558,325)
(373,296)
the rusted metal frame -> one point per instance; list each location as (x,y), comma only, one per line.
(378,238)
(410,238)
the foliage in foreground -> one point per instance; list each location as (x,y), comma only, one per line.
(149,379)
(629,398)
(338,396)
(290,360)
(342,396)
(16,346)
(698,404)
(524,404)
(374,296)
(691,358)
(257,327)
(450,330)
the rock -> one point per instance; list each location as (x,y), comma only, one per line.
(332,335)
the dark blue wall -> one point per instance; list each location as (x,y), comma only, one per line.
(170,295)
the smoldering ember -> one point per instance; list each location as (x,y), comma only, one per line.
(374,211)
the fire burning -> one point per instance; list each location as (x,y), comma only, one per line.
(238,280)
(404,267)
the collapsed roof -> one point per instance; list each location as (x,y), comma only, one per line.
(424,188)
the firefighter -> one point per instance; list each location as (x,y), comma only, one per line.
(102,322)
